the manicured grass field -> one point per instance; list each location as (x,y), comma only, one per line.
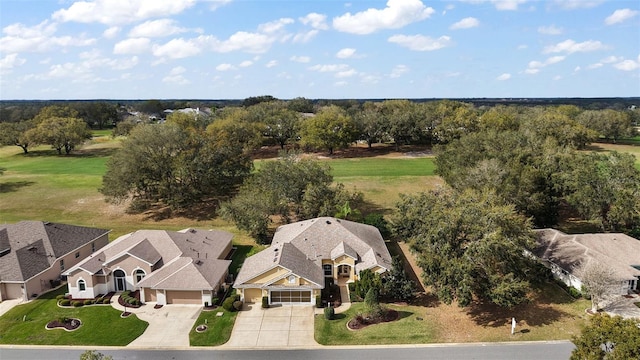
(407,330)
(101,324)
(219,328)
(382,167)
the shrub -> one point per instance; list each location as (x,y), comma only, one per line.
(65,302)
(77,303)
(227,304)
(377,220)
(131,301)
(88,302)
(106,301)
(329,313)
(237,305)
(318,301)
(60,297)
(265,302)
(125,293)
(575,293)
(215,301)
(371,299)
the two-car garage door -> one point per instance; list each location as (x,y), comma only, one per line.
(290,296)
(184,297)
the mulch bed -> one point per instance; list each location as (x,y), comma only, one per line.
(357,324)
(157,306)
(69,325)
(133,294)
(125,314)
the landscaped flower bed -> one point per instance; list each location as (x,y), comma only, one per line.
(68,324)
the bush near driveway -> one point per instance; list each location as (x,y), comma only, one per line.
(101,325)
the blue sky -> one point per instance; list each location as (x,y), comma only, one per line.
(233,49)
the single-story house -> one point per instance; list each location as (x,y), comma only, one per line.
(168,267)
(303,255)
(564,254)
(33,255)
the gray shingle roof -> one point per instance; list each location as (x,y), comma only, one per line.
(300,247)
(145,251)
(35,245)
(618,251)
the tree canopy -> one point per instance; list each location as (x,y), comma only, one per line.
(290,188)
(175,166)
(610,338)
(62,133)
(469,243)
(331,128)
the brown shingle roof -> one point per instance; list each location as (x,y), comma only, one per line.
(189,259)
(35,245)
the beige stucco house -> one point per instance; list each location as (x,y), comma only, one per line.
(564,254)
(33,255)
(168,267)
(302,255)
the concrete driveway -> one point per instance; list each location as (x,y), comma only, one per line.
(9,304)
(169,326)
(624,306)
(276,327)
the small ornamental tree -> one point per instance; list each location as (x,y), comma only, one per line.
(598,282)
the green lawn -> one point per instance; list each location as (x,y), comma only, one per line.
(407,330)
(101,325)
(382,167)
(219,328)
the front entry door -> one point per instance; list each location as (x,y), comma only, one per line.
(119,278)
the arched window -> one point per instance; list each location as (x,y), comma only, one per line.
(292,279)
(119,278)
(139,275)
(82,286)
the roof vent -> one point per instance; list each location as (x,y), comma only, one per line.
(193,231)
(32,248)
(198,262)
(276,249)
(328,222)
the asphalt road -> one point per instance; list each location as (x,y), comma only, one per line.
(521,351)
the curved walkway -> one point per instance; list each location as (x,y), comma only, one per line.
(169,326)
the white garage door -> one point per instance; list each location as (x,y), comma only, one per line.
(290,296)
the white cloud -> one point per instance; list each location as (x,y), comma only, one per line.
(594,66)
(177,49)
(215,4)
(39,38)
(346,53)
(329,67)
(503,77)
(535,66)
(421,42)
(9,62)
(315,20)
(557,77)
(398,71)
(304,37)
(111,32)
(628,65)
(175,76)
(577,4)
(271,64)
(466,23)
(225,67)
(246,63)
(569,46)
(112,12)
(550,30)
(244,41)
(577,68)
(275,26)
(397,14)
(522,46)
(611,59)
(620,15)
(500,4)
(156,28)
(346,73)
(300,59)
(132,46)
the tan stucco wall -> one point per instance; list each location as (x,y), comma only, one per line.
(268,276)
(253,295)
(344,259)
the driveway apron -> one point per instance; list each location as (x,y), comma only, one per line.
(169,326)
(277,327)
